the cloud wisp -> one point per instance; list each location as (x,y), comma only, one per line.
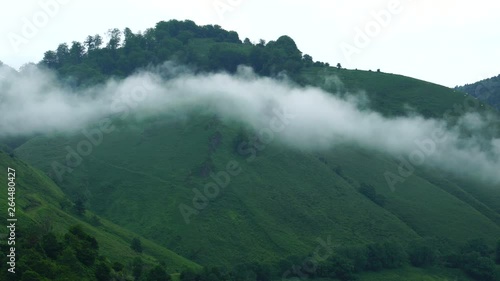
(35,102)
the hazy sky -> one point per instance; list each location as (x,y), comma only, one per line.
(446,42)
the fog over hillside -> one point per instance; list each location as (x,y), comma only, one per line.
(34,101)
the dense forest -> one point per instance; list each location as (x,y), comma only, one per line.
(75,256)
(206,48)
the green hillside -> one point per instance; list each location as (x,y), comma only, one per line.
(279,204)
(41,208)
(284,199)
(147,178)
(389,94)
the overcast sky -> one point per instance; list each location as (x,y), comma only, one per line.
(447,42)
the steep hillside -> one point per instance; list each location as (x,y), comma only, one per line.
(41,207)
(284,199)
(392,94)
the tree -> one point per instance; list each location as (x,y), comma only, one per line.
(287,44)
(395,255)
(137,265)
(376,257)
(421,254)
(27,67)
(343,268)
(76,52)
(80,206)
(357,254)
(232,37)
(136,245)
(369,191)
(89,43)
(477,245)
(50,59)
(92,42)
(31,276)
(262,271)
(51,246)
(62,53)
(259,60)
(85,246)
(97,41)
(307,59)
(103,272)
(284,56)
(339,66)
(117,266)
(480,268)
(385,255)
(157,273)
(227,58)
(184,36)
(188,275)
(129,37)
(114,39)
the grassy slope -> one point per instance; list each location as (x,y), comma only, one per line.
(266,204)
(389,93)
(38,201)
(282,201)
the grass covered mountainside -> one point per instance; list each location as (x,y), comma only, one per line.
(42,210)
(277,205)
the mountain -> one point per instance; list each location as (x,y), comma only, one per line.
(487,90)
(185,185)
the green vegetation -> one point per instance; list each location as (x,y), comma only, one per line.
(136,245)
(379,261)
(56,243)
(207,48)
(126,195)
(487,90)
